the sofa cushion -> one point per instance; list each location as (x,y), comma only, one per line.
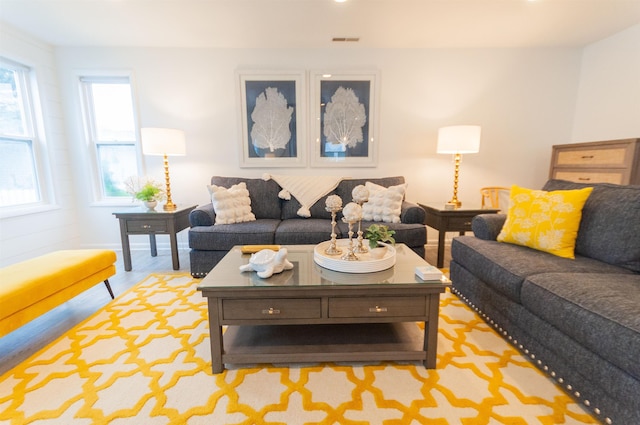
(222,237)
(543,220)
(307,190)
(608,217)
(297,231)
(599,311)
(264,194)
(505,266)
(290,208)
(231,205)
(346,186)
(384,204)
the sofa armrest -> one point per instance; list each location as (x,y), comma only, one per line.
(411,213)
(487,226)
(204,215)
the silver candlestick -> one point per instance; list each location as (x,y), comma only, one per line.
(350,255)
(360,248)
(333,249)
(360,195)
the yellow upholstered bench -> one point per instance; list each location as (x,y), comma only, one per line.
(33,287)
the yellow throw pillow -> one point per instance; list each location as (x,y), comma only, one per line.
(546,221)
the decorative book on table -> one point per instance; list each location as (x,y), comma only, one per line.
(428,272)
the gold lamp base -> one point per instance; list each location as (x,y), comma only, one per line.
(456,174)
(169,205)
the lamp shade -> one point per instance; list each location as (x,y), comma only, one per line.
(459,139)
(163,141)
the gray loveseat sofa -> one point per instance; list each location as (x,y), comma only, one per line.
(578,320)
(277,222)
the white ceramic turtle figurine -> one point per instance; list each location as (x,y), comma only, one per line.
(267,262)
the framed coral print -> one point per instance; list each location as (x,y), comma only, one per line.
(272,119)
(344,119)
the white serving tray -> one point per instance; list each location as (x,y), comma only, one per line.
(365,263)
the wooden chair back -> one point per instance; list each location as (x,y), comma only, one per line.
(491,196)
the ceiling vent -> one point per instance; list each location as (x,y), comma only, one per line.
(345,39)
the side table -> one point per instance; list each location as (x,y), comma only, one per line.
(152,223)
(457,220)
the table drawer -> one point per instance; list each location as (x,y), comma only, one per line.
(276,308)
(145,226)
(590,176)
(591,157)
(459,223)
(377,307)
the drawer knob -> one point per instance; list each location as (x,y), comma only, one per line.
(587,156)
(586,179)
(271,311)
(146,226)
(377,309)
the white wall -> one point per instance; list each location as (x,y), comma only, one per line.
(523,98)
(52,226)
(608,103)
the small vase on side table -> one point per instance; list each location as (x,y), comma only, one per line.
(151,205)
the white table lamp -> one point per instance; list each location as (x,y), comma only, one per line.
(456,140)
(165,142)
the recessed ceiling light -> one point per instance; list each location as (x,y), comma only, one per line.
(340,1)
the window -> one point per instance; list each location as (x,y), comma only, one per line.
(19,184)
(111,132)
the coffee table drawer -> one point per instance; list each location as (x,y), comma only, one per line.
(266,308)
(378,307)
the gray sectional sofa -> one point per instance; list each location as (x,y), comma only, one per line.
(578,320)
(277,222)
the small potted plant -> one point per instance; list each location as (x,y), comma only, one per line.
(379,233)
(147,191)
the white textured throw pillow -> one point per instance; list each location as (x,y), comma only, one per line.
(384,204)
(231,205)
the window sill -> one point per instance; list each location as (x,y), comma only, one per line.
(18,211)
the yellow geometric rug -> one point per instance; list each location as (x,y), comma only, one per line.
(145,359)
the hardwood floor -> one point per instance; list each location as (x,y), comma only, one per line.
(431,254)
(32,337)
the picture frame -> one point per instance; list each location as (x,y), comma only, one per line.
(267,142)
(339,103)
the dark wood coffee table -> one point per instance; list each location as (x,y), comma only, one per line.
(312,314)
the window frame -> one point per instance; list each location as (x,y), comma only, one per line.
(34,134)
(90,133)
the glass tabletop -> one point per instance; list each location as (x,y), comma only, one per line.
(306,272)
